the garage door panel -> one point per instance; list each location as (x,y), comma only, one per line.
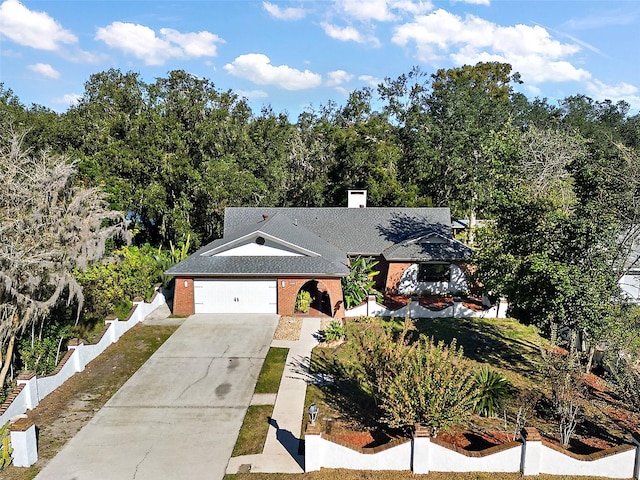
(235,296)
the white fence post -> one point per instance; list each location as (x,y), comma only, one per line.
(312,449)
(23,442)
(420,449)
(531,451)
(503,305)
(30,382)
(76,345)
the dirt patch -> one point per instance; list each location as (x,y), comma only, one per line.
(66,410)
(288,329)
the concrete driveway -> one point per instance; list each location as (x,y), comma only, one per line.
(178,417)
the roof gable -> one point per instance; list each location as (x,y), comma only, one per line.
(259,244)
(432,245)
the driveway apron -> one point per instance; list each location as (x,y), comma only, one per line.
(178,416)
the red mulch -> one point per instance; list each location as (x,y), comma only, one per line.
(432,302)
(475,441)
(365,439)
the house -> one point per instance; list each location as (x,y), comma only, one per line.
(268,254)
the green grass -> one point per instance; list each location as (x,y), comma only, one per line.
(253,432)
(272,368)
(506,345)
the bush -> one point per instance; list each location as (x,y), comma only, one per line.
(303,301)
(335,331)
(110,286)
(360,281)
(415,381)
(42,354)
(568,390)
(493,391)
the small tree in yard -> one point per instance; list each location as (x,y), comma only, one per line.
(49,228)
(415,380)
(568,390)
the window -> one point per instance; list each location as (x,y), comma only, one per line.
(433,272)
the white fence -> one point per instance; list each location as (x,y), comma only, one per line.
(413,309)
(31,389)
(531,456)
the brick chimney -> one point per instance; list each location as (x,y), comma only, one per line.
(356,198)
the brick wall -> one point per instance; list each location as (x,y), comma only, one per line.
(183,297)
(288,289)
(395,273)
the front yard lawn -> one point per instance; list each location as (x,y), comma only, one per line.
(253,432)
(272,368)
(508,347)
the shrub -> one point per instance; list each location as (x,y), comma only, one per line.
(303,301)
(41,354)
(5,446)
(492,390)
(359,283)
(335,331)
(109,286)
(568,390)
(414,381)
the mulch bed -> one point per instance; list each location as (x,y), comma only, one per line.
(432,302)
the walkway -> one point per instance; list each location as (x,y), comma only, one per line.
(179,415)
(280,453)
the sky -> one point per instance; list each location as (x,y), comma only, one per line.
(299,55)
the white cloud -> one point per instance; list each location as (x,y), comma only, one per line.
(252,94)
(290,13)
(367,9)
(348,34)
(67,99)
(337,77)
(601,90)
(370,80)
(257,68)
(529,49)
(32,29)
(142,42)
(414,8)
(382,10)
(621,91)
(45,70)
(475,2)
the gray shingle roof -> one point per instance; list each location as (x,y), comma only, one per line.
(356,231)
(432,246)
(329,260)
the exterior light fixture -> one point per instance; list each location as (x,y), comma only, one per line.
(186,284)
(313,413)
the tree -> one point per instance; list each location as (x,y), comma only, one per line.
(49,227)
(465,105)
(547,251)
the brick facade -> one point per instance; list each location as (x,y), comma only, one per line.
(288,289)
(396,269)
(183,303)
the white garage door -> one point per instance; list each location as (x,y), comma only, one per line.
(235,296)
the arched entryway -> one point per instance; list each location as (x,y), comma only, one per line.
(320,304)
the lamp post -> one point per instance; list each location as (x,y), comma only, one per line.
(313,413)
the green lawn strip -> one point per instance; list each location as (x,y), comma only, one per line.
(253,432)
(272,368)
